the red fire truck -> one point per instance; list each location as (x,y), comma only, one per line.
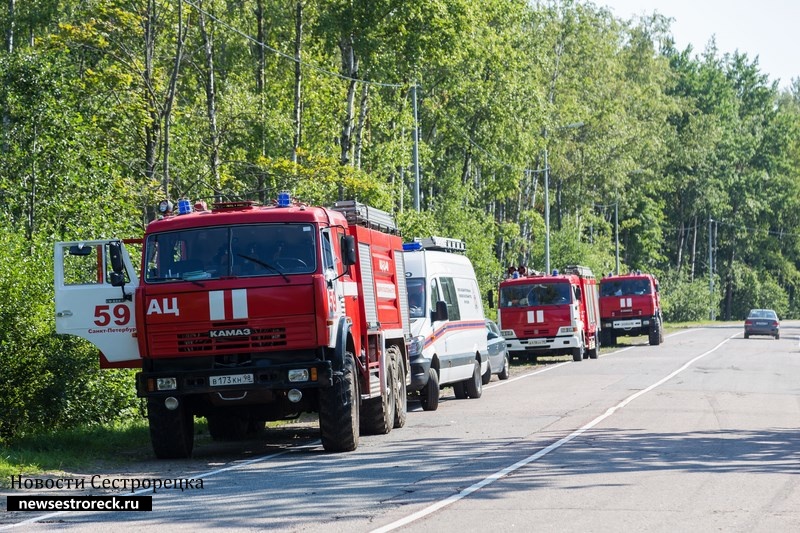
(245,314)
(630,306)
(554,314)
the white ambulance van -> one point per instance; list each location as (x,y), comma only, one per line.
(448,346)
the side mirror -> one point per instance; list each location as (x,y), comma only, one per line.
(491,335)
(117,275)
(577,293)
(440,313)
(348,250)
(117,279)
(80,250)
(115,256)
(490,298)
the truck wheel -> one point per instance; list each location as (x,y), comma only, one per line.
(171,432)
(377,414)
(474,386)
(503,375)
(655,334)
(577,353)
(227,427)
(400,394)
(429,395)
(338,410)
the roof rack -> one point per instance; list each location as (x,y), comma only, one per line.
(582,271)
(439,244)
(370,217)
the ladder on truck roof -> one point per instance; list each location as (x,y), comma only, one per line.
(582,271)
(364,215)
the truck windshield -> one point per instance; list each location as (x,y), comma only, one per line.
(527,294)
(624,287)
(416,297)
(231,251)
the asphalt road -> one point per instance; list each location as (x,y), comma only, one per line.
(698,434)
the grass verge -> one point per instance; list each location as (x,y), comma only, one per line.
(74,449)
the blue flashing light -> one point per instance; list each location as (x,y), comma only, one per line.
(412,246)
(284,200)
(555,272)
(184,206)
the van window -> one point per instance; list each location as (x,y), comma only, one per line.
(434,294)
(451,298)
(416,297)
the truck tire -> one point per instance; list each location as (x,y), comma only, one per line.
(460,390)
(605,337)
(400,393)
(577,353)
(429,395)
(171,432)
(474,386)
(377,414)
(655,333)
(338,410)
(227,427)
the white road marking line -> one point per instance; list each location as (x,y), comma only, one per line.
(541,453)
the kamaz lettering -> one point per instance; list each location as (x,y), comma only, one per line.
(244,332)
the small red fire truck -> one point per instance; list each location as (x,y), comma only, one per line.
(245,314)
(553,314)
(630,306)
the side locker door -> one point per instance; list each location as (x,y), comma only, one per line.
(89,306)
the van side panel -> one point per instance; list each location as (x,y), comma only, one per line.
(454,342)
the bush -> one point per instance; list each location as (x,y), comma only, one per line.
(683,300)
(47,381)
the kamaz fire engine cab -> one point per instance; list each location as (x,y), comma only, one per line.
(246,313)
(554,314)
(630,306)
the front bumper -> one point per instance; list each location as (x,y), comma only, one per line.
(543,344)
(273,377)
(419,372)
(628,326)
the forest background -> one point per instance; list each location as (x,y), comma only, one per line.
(691,159)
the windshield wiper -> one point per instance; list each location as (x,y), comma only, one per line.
(265,265)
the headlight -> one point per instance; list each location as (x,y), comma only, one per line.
(567,329)
(298,374)
(415,346)
(508,333)
(166,384)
